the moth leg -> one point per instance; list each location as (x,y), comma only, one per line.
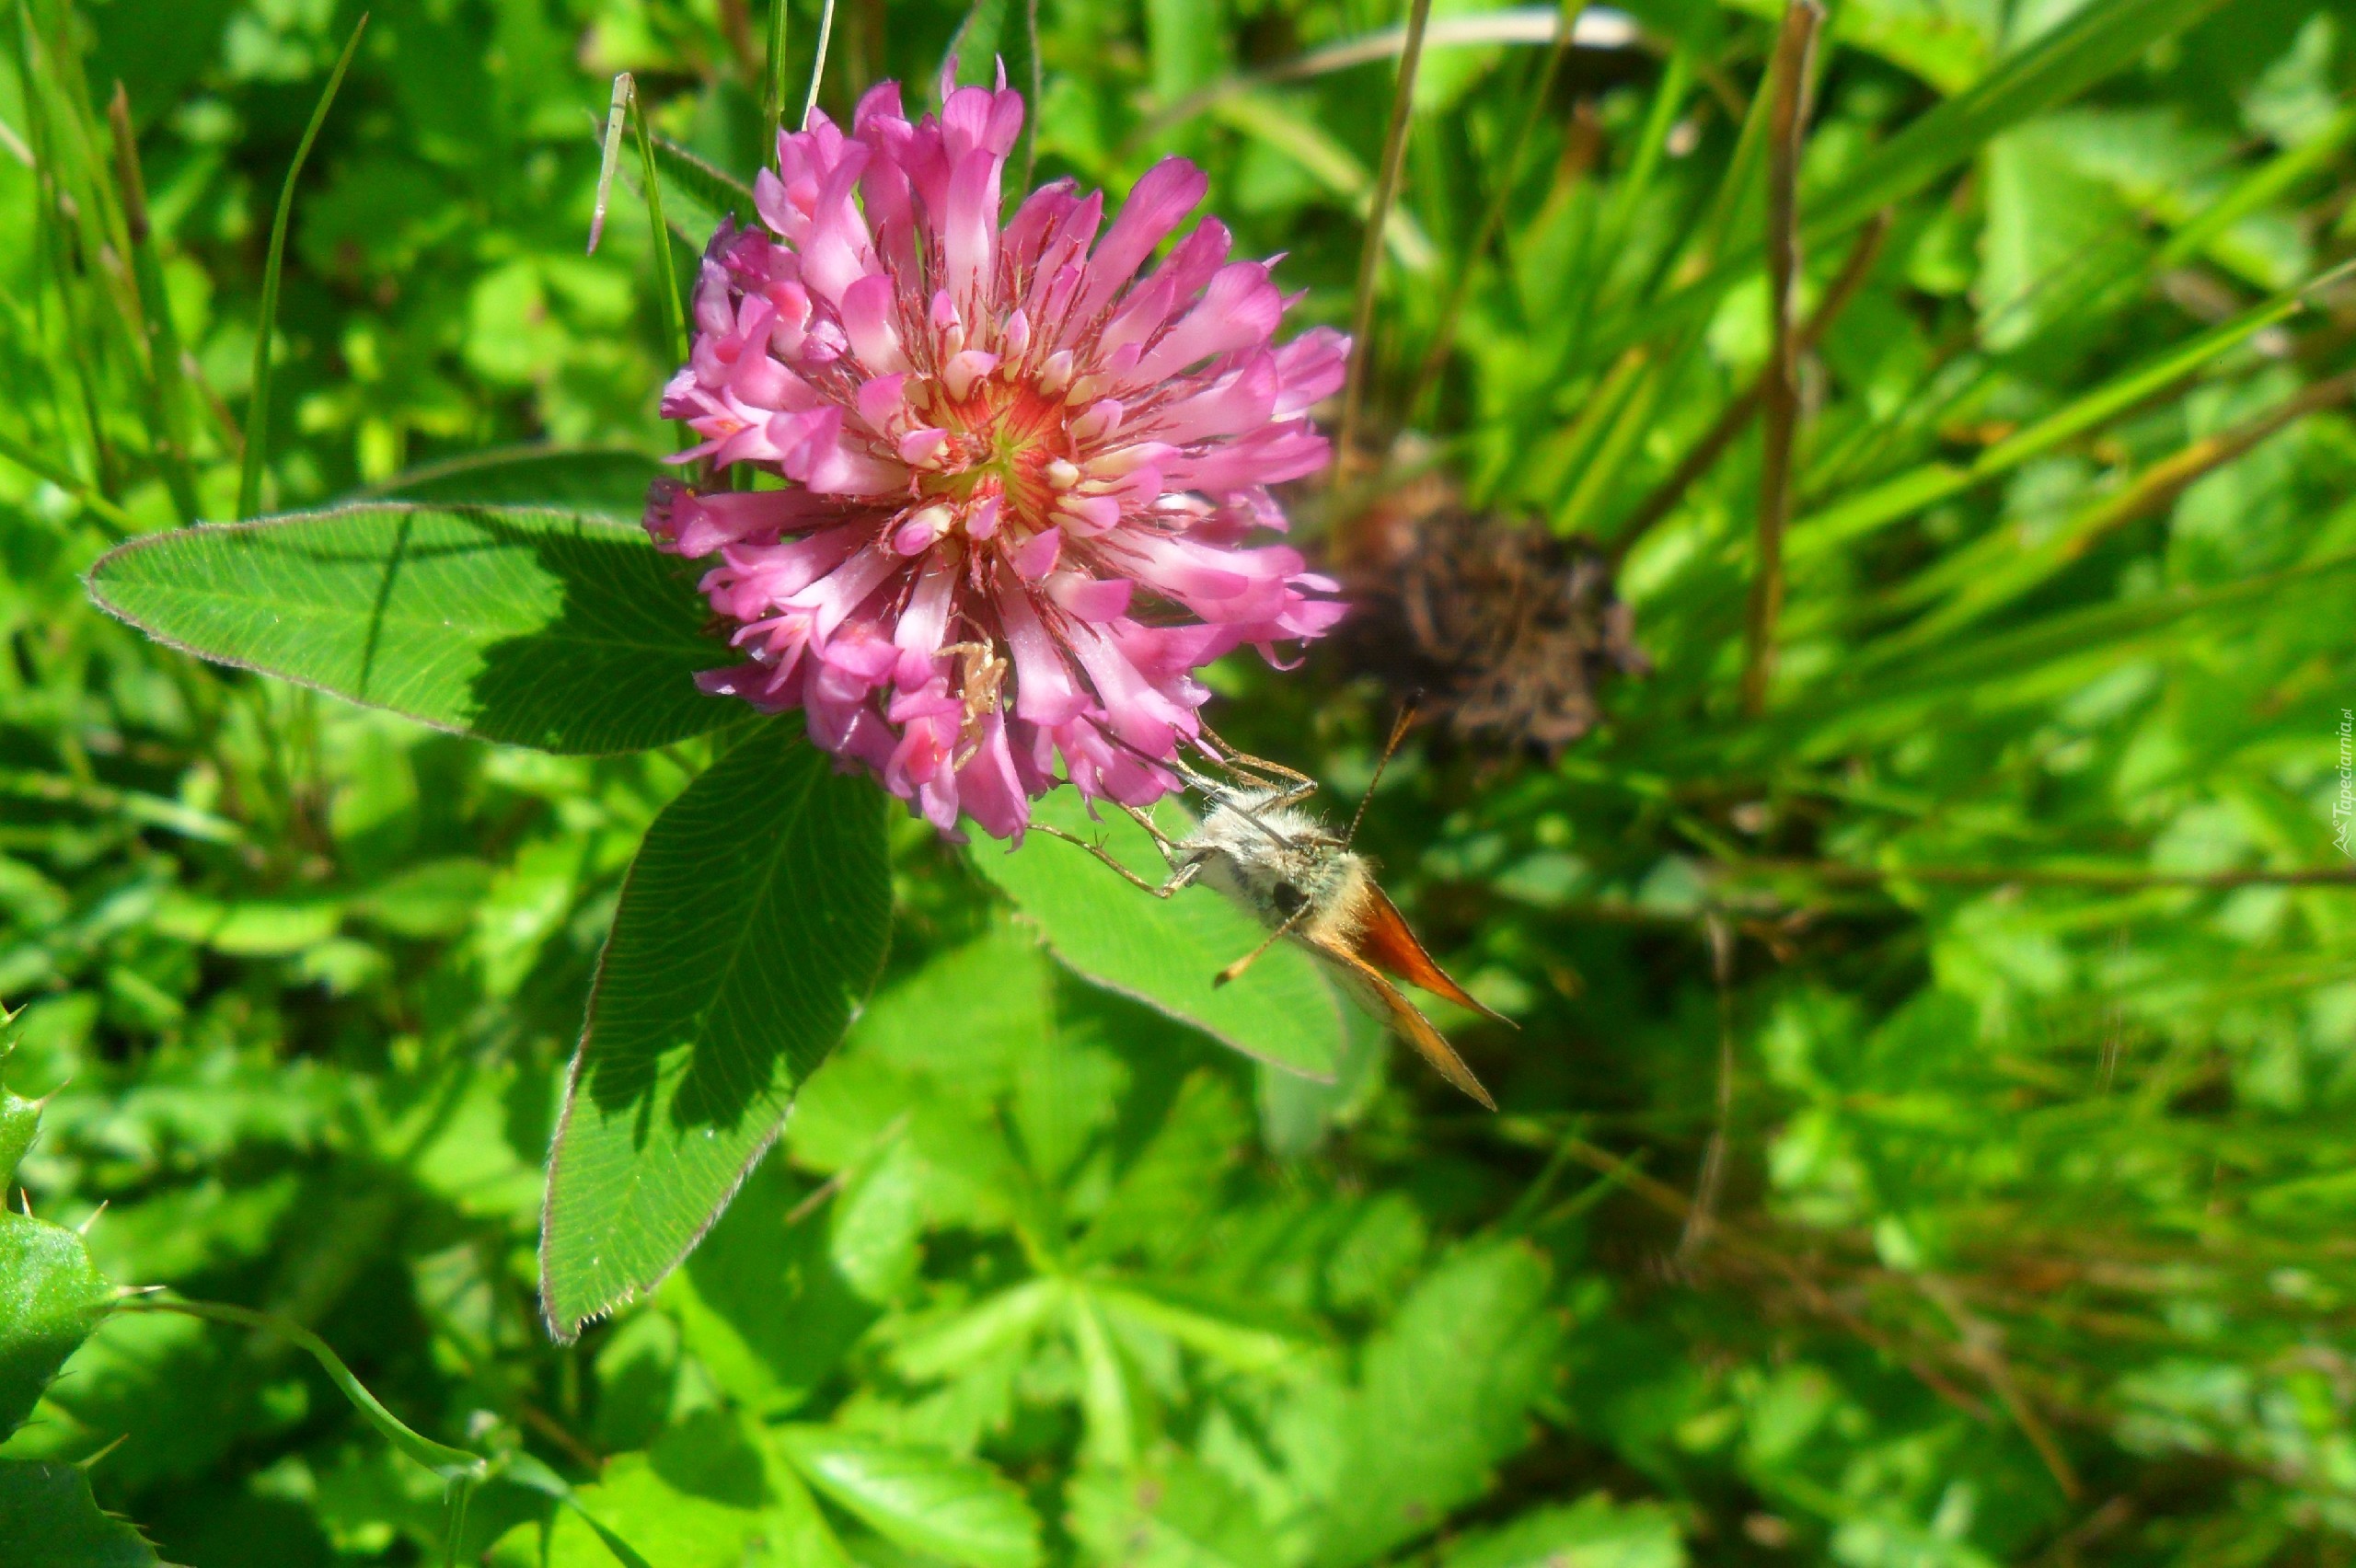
(1241,965)
(1161,840)
(1158,890)
(1241,760)
(1290,796)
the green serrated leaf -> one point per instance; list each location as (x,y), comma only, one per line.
(19,1124)
(952,1508)
(1594,1532)
(1446,1390)
(1164,951)
(51,1296)
(750,929)
(549,629)
(48,1519)
(19,1117)
(1177,1513)
(437,898)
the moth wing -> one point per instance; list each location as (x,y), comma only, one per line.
(1384,940)
(1407,1018)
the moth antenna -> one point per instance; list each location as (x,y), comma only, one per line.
(1397,734)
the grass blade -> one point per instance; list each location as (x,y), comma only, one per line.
(1996,572)
(610,159)
(773,70)
(666,275)
(1908,492)
(35,67)
(258,407)
(818,65)
(1780,386)
(1386,190)
(2262,186)
(1705,452)
(2100,40)
(167,391)
(1492,220)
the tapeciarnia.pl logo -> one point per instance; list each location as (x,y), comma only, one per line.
(2343,808)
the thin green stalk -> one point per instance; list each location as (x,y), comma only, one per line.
(450,1464)
(2260,187)
(461,1470)
(666,277)
(258,406)
(166,393)
(1996,570)
(524,1471)
(2086,281)
(773,71)
(1733,185)
(818,65)
(1386,190)
(1628,426)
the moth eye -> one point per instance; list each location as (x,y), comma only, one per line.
(1289,900)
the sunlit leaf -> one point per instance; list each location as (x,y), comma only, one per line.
(538,628)
(50,1299)
(1447,1387)
(1165,951)
(751,927)
(1594,1532)
(931,1502)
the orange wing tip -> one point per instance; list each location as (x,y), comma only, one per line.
(1384,940)
(1409,1021)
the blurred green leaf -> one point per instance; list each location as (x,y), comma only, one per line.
(533,628)
(2097,40)
(608,482)
(1175,1512)
(1446,1391)
(751,927)
(947,1508)
(437,898)
(1591,1533)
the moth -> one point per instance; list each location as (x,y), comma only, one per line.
(1259,845)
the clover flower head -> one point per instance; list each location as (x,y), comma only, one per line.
(1023,473)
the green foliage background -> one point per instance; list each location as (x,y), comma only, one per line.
(1926,1139)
